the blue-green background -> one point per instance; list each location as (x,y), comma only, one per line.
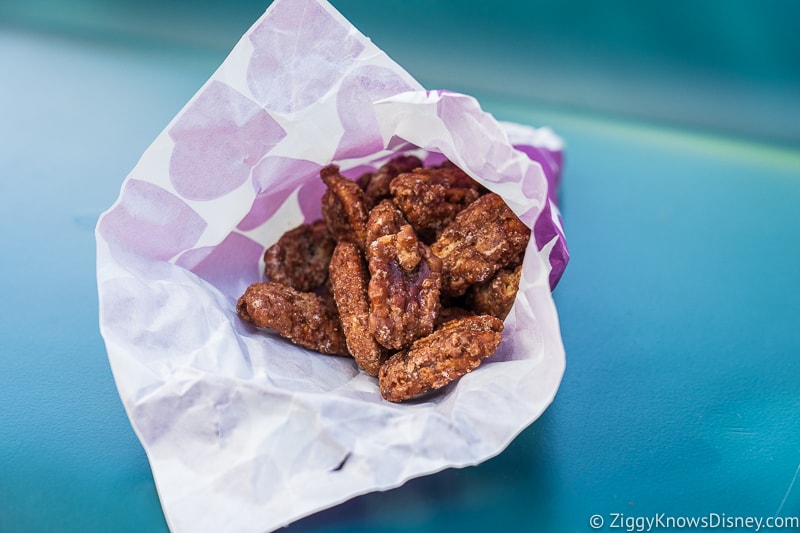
(679,309)
(731,66)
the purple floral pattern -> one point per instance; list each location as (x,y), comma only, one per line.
(150,222)
(275,178)
(359,90)
(218,140)
(230,266)
(303,51)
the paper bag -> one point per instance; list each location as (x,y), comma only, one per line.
(243,430)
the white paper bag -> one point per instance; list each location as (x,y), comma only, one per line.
(245,431)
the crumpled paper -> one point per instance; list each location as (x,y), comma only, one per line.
(245,431)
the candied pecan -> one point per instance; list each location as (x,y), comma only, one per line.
(384,219)
(344,207)
(408,249)
(376,184)
(403,289)
(364,179)
(495,296)
(483,238)
(301,256)
(459,178)
(302,317)
(516,261)
(430,198)
(349,280)
(448,313)
(450,352)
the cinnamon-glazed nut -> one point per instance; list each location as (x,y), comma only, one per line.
(483,238)
(364,179)
(403,289)
(453,350)
(344,207)
(349,280)
(376,184)
(446,314)
(409,252)
(384,219)
(301,256)
(430,198)
(302,317)
(460,179)
(496,296)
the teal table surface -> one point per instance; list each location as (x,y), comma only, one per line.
(679,313)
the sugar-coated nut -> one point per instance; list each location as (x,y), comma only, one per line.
(403,289)
(448,313)
(431,197)
(497,295)
(376,184)
(349,279)
(344,207)
(413,270)
(384,219)
(304,318)
(301,257)
(482,238)
(450,352)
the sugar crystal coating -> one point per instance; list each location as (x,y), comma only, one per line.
(453,350)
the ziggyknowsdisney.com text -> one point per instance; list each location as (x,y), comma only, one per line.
(629,523)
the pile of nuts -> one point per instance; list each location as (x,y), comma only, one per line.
(411,272)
